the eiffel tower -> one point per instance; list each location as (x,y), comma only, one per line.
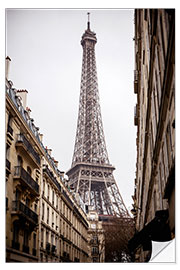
(91,174)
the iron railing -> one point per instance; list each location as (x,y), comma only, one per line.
(8,164)
(25,176)
(10,130)
(29,147)
(18,206)
(50,174)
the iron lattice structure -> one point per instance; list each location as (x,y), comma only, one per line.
(91,174)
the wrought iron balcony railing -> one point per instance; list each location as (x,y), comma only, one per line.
(22,139)
(22,209)
(10,130)
(27,179)
(136,75)
(8,164)
(50,174)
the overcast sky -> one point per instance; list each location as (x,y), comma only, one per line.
(44,46)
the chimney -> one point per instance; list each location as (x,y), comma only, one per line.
(23,94)
(41,137)
(28,111)
(8,60)
(56,163)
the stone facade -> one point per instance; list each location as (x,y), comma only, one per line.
(154,84)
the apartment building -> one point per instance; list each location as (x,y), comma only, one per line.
(154,85)
(96,237)
(63,228)
(23,175)
(45,222)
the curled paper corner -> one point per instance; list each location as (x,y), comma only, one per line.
(163,252)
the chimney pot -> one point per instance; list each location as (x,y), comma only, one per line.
(41,137)
(23,94)
(8,60)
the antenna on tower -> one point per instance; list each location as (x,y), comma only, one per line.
(88,24)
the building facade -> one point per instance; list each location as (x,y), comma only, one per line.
(154,85)
(45,222)
(96,238)
(23,175)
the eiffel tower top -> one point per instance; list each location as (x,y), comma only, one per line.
(89,37)
(90,144)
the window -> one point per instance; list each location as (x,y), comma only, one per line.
(48,192)
(19,161)
(52,238)
(42,237)
(43,189)
(47,236)
(34,240)
(94,250)
(56,222)
(29,170)
(42,211)
(56,202)
(17,195)
(47,215)
(35,207)
(15,233)
(52,219)
(53,197)
(26,238)
(28,202)
(37,175)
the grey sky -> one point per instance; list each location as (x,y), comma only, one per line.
(46,54)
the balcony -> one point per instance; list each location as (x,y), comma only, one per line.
(28,148)
(10,132)
(8,167)
(26,179)
(51,176)
(95,253)
(24,211)
(136,81)
(94,242)
(136,75)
